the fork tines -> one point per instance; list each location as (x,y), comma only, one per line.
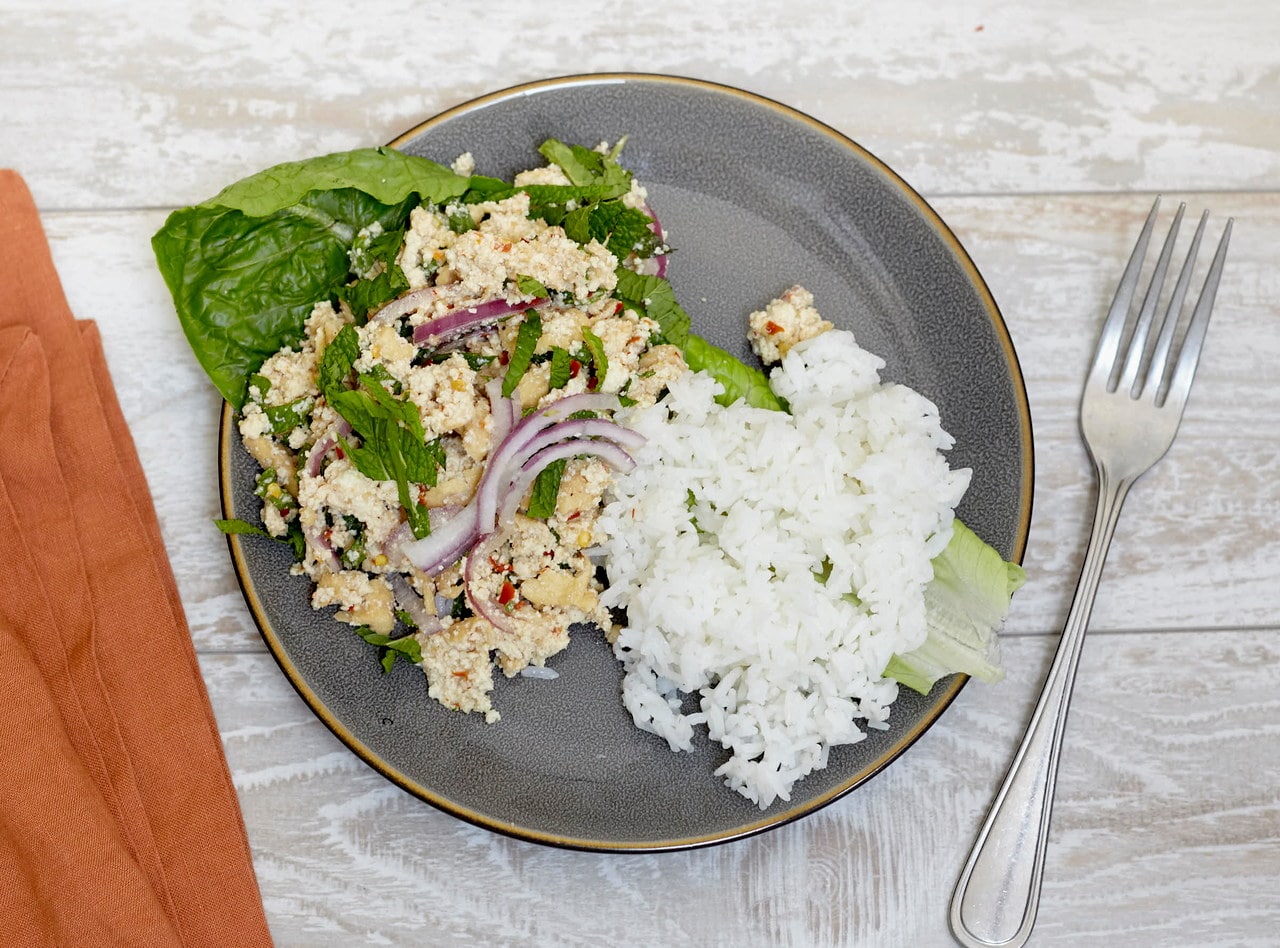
(1146,369)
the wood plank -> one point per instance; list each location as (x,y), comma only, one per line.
(1165,831)
(1199,539)
(168,103)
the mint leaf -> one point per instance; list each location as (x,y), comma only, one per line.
(389,649)
(336,361)
(292,539)
(561,367)
(393,443)
(653,296)
(284,418)
(595,348)
(546,488)
(527,337)
(531,287)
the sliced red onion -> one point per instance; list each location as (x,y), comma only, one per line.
(612,454)
(504,410)
(483,605)
(445,544)
(499,469)
(407,598)
(453,294)
(323,550)
(315,460)
(468,320)
(659,259)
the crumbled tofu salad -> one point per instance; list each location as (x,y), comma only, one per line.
(426,363)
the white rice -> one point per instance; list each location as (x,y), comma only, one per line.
(715,539)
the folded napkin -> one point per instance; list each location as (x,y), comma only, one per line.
(119,824)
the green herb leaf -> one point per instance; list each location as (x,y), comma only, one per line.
(284,418)
(653,297)
(527,337)
(336,361)
(393,444)
(546,488)
(561,367)
(238,527)
(369,294)
(595,348)
(531,287)
(389,649)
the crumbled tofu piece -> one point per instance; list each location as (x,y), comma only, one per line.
(445,393)
(558,587)
(788,320)
(459,668)
(624,339)
(361,599)
(464,164)
(342,489)
(656,369)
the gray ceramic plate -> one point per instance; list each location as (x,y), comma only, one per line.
(755,197)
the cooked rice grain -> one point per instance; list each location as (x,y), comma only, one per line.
(719,537)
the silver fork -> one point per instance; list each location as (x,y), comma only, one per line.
(1129,413)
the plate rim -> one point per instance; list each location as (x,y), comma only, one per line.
(907,737)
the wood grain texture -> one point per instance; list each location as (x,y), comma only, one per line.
(1040,133)
(114,105)
(1166,827)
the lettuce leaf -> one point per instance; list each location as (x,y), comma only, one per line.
(246,267)
(965,605)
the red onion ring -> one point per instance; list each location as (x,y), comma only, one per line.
(609,452)
(445,544)
(484,606)
(407,598)
(496,476)
(505,411)
(453,294)
(659,259)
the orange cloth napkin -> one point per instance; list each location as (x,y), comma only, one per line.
(119,824)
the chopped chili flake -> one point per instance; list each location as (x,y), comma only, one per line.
(574,516)
(617,307)
(499,566)
(772,328)
(503,357)
(507,593)
(592,383)
(460,674)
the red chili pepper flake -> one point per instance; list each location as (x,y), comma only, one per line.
(574,516)
(507,593)
(772,328)
(341,454)
(592,383)
(460,674)
(499,566)
(574,368)
(503,357)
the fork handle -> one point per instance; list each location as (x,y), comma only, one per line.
(998,892)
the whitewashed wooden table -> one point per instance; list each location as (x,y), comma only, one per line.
(1039,133)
